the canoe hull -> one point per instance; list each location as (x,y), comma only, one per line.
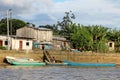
(23,61)
(27,63)
(56,64)
(90,64)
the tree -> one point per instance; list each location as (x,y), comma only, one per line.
(81,38)
(30,24)
(114,35)
(89,37)
(99,37)
(16,24)
(65,24)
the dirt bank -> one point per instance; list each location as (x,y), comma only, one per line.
(62,55)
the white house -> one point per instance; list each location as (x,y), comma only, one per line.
(17,43)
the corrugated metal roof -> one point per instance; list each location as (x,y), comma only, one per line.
(45,29)
(59,38)
(50,43)
(14,36)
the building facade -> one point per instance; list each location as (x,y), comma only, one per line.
(60,43)
(16,43)
(111,45)
(39,35)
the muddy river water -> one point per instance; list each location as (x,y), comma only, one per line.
(60,73)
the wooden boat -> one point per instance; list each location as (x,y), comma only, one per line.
(56,63)
(90,64)
(23,61)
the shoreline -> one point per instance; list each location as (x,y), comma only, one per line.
(88,57)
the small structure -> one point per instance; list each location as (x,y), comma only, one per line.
(43,45)
(111,45)
(17,43)
(47,45)
(60,43)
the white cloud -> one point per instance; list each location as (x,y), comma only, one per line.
(105,12)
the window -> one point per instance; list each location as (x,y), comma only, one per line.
(110,44)
(6,42)
(27,43)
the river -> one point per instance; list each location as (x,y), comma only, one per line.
(60,73)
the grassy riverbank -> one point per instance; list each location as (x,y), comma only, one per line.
(65,55)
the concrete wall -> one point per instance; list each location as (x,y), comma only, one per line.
(16,44)
(111,46)
(3,39)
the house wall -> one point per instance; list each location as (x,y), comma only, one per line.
(111,46)
(26,32)
(38,34)
(16,44)
(44,35)
(3,39)
(59,44)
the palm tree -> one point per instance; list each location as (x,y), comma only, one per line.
(99,37)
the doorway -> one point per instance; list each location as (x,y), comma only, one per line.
(20,45)
(1,43)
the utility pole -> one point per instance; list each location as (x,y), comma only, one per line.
(10,12)
(8,36)
(8,29)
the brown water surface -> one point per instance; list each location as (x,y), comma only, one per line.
(59,73)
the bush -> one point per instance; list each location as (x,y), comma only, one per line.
(3,48)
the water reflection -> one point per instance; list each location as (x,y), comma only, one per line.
(59,73)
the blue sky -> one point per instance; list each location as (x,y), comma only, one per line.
(43,12)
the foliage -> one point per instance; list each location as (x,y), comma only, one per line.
(30,24)
(65,24)
(81,38)
(92,37)
(114,35)
(3,48)
(16,24)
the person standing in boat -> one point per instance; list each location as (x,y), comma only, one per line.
(43,47)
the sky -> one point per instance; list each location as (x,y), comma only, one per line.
(43,12)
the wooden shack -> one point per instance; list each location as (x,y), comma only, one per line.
(39,34)
(60,43)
